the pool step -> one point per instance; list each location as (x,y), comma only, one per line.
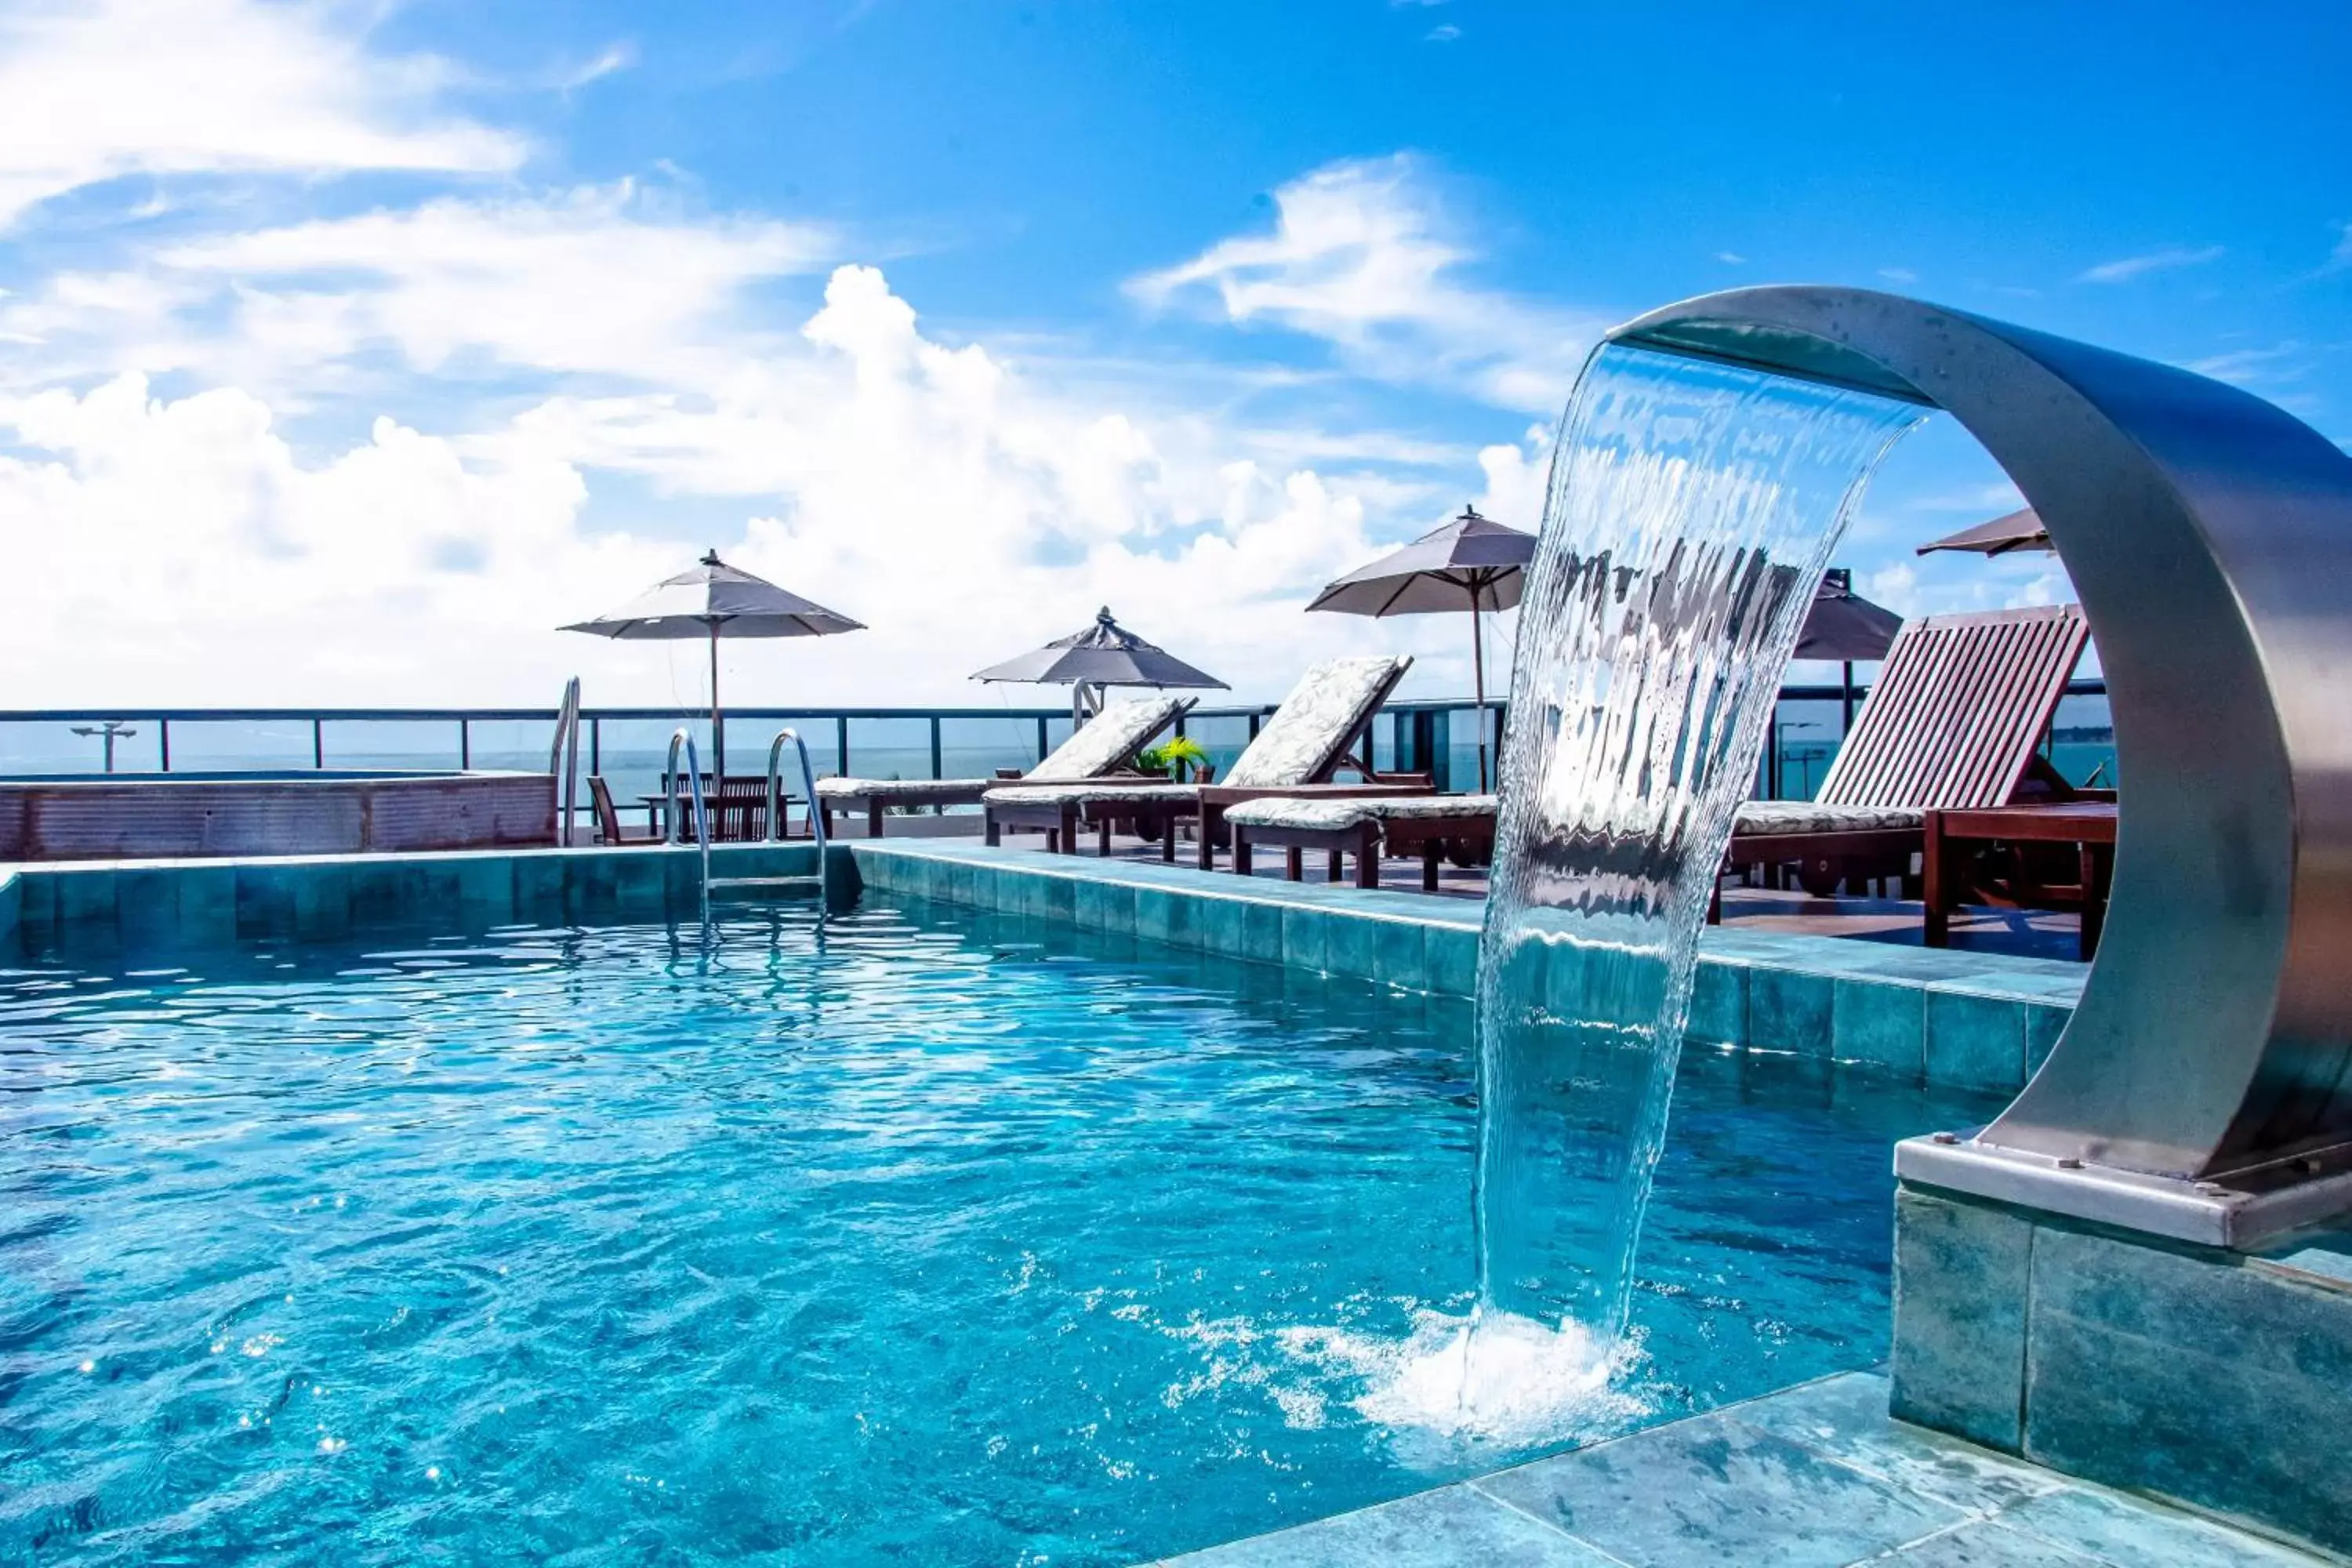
(752,887)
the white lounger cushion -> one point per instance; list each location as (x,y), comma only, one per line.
(1291,811)
(1322,713)
(1109,739)
(1329,704)
(902,789)
(1760,817)
(1099,792)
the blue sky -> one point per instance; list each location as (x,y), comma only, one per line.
(346,349)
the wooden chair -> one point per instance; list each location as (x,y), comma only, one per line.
(1954,722)
(608,819)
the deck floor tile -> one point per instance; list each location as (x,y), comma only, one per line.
(1455,1527)
(1713,1490)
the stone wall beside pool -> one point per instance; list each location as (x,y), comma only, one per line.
(2213,1378)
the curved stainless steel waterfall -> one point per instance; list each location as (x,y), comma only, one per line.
(2209,537)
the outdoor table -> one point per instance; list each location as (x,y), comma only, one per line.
(1953,835)
(735,791)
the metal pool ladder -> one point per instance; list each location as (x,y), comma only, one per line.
(701,808)
(760,887)
(563,760)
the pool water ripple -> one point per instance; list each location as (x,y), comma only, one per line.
(933,1238)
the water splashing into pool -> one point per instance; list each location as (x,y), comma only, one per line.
(1692,507)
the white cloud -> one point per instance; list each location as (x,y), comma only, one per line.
(2253,367)
(590,280)
(2125,269)
(93,92)
(1731,258)
(1898,275)
(1361,256)
(600,280)
(186,550)
(2341,256)
(1443,32)
(615,58)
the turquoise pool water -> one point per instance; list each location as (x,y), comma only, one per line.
(936,1238)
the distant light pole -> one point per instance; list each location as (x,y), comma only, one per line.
(109,732)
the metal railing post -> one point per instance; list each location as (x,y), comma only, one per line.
(163,743)
(936,771)
(840,745)
(318,744)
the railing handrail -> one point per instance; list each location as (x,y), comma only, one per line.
(2088,685)
(1419,724)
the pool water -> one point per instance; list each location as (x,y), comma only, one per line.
(932,1237)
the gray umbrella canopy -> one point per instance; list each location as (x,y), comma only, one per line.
(1440,573)
(2019,531)
(1844,625)
(715,600)
(1470,564)
(1105,654)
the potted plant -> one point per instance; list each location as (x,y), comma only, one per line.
(1177,758)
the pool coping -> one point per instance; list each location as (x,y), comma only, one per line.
(1820,1465)
(157,902)
(1969,1020)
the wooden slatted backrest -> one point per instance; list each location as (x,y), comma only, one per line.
(738,807)
(1957,710)
(608,820)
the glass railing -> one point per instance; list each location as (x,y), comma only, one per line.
(626,745)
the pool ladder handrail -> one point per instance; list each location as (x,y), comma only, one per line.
(563,760)
(684,737)
(808,792)
(772,885)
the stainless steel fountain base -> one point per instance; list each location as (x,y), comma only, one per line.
(2238,1212)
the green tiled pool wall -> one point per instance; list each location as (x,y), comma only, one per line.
(202,902)
(2212,1378)
(1972,1020)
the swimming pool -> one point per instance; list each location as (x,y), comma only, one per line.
(935,1236)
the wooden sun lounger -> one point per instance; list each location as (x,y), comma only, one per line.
(1149,809)
(1954,722)
(1142,721)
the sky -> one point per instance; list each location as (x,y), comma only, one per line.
(348,350)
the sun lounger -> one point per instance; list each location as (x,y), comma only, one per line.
(1097,749)
(1429,826)
(1307,742)
(1954,722)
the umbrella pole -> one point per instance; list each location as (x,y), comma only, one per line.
(1478,685)
(1846,697)
(717,721)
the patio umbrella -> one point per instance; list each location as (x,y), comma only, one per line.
(1845,626)
(1105,654)
(2019,531)
(715,600)
(1471,564)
